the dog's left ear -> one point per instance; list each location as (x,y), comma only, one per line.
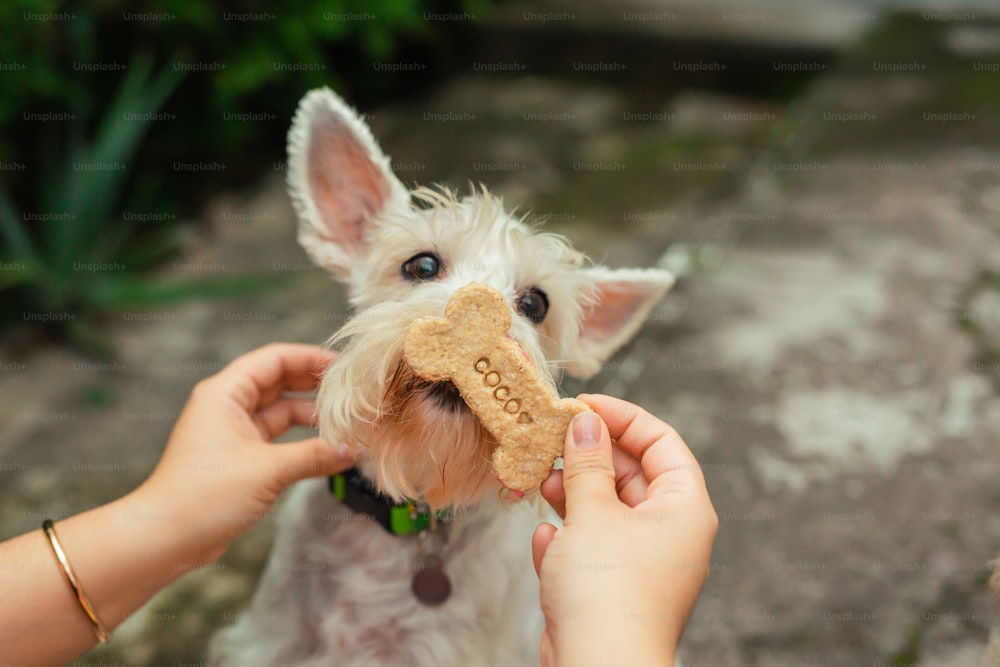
(623,300)
(339,180)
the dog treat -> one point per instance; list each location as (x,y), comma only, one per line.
(470,347)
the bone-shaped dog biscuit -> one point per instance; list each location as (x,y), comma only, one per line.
(469,346)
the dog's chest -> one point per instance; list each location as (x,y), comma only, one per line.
(358,579)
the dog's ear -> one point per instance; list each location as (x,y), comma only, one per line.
(622,301)
(338,179)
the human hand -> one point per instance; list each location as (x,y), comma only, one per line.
(220,473)
(621,577)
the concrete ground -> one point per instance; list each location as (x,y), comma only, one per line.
(832,353)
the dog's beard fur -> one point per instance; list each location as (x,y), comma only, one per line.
(414,438)
(454,456)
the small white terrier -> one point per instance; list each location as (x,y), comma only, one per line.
(417,558)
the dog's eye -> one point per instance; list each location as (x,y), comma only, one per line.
(533,304)
(425,266)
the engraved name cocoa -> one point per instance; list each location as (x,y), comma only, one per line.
(501,392)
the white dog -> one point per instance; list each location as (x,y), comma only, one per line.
(416,558)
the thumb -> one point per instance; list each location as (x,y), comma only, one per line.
(312,457)
(588,471)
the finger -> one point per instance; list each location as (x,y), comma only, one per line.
(313,457)
(630,483)
(260,376)
(654,443)
(284,413)
(540,543)
(588,468)
(547,652)
(553,492)
(630,480)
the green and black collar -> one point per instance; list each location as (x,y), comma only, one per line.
(358,493)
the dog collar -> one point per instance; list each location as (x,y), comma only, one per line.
(358,493)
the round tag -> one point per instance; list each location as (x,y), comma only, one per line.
(431,585)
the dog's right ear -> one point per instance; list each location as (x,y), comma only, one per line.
(339,180)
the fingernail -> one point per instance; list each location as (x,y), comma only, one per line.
(586,430)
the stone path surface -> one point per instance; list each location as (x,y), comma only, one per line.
(802,24)
(837,374)
(832,353)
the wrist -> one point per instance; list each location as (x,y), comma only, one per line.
(626,642)
(189,545)
(123,552)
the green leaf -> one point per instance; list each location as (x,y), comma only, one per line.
(13,232)
(95,177)
(21,274)
(149,252)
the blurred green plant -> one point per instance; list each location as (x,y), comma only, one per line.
(77,205)
(72,255)
(244,55)
(75,95)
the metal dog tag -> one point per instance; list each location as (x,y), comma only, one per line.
(431,585)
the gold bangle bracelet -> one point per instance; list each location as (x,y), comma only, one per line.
(103,636)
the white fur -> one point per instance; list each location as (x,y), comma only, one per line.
(337,587)
(337,592)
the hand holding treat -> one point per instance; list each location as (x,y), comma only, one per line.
(469,347)
(620,577)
